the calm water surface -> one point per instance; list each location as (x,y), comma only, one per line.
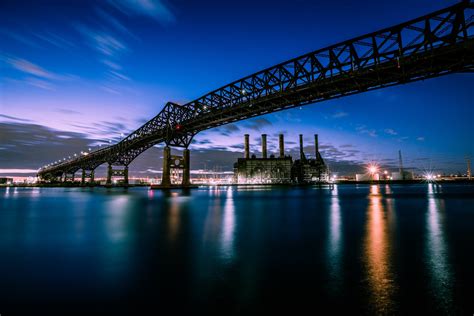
(366,249)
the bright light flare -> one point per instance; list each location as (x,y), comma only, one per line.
(429,176)
(373,168)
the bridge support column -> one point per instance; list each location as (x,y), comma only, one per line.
(69,176)
(87,174)
(123,173)
(109,175)
(125,176)
(186,171)
(166,175)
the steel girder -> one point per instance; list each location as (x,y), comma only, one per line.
(432,45)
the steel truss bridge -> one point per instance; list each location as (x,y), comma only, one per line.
(433,45)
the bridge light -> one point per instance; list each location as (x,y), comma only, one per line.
(90,149)
(244,92)
(178,127)
(75,155)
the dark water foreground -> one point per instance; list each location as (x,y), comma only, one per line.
(362,249)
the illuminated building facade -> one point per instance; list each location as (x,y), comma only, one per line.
(264,170)
(281,169)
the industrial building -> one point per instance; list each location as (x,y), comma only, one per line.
(264,170)
(281,169)
(306,171)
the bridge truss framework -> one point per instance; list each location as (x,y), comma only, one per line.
(433,45)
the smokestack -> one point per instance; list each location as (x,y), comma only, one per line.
(402,174)
(301,147)
(316,146)
(282,147)
(264,145)
(246,146)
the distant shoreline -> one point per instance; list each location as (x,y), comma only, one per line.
(344,182)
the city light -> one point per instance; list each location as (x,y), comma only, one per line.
(373,168)
(429,176)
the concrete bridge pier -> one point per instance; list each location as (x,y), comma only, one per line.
(166,174)
(69,176)
(187,168)
(111,172)
(175,162)
(87,174)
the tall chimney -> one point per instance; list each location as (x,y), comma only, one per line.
(316,146)
(402,173)
(301,147)
(264,145)
(246,146)
(282,147)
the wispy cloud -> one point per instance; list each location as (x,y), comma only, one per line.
(258,123)
(54,39)
(30,68)
(111,21)
(339,114)
(19,38)
(13,118)
(39,83)
(110,49)
(390,131)
(421,138)
(362,129)
(156,9)
(101,41)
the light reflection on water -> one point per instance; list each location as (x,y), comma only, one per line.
(228,226)
(236,245)
(437,254)
(335,241)
(377,254)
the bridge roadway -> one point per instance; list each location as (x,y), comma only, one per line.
(433,45)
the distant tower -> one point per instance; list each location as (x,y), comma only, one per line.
(302,157)
(247,147)
(400,162)
(316,147)
(469,174)
(282,146)
(264,146)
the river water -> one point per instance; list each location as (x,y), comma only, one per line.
(359,249)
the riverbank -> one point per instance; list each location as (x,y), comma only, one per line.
(401,182)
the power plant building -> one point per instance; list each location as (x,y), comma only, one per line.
(281,169)
(264,170)
(306,171)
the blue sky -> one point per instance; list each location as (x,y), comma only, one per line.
(76,74)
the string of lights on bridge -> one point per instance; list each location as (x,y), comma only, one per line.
(75,155)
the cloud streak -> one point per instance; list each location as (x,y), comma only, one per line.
(27,67)
(156,9)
